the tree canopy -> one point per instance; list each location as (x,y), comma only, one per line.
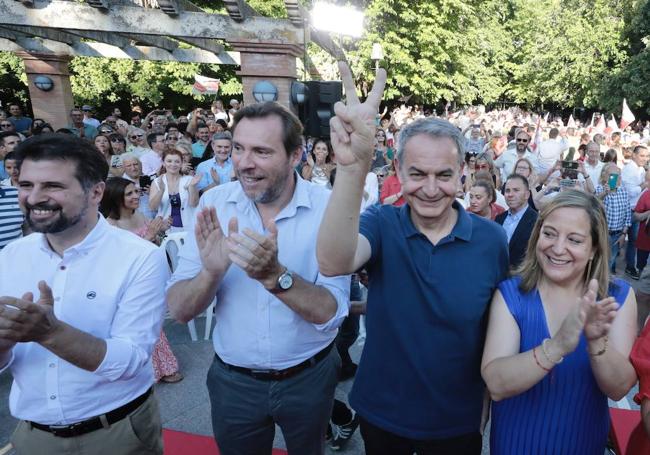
(564,53)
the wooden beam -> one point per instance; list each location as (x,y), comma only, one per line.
(103,4)
(47,33)
(127,19)
(151,40)
(295,12)
(13,43)
(205,44)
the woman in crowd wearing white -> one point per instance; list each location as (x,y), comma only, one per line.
(173,194)
(319,164)
(119,205)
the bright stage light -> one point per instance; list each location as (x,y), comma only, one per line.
(337,19)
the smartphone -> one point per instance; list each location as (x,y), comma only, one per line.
(144,181)
(612,181)
(116,161)
(568,164)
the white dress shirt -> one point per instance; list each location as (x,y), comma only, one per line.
(594,171)
(254,329)
(506,162)
(110,285)
(632,177)
(549,152)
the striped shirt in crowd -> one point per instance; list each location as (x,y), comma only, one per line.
(11,217)
(617,208)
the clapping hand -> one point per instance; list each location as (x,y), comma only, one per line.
(598,315)
(353,127)
(256,254)
(212,241)
(23,320)
(215,176)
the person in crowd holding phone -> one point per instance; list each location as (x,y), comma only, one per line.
(173,194)
(119,205)
(417,256)
(615,200)
(133,172)
(152,159)
(103,144)
(277,315)
(82,308)
(559,336)
(633,176)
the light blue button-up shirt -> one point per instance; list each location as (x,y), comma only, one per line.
(254,329)
(512,221)
(222,171)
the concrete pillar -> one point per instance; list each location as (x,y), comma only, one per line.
(275,63)
(53,106)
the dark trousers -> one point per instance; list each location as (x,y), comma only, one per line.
(245,410)
(382,442)
(630,249)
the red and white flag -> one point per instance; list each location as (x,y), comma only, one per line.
(600,124)
(611,125)
(627,117)
(538,135)
(205,85)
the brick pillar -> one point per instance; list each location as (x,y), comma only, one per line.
(53,106)
(275,63)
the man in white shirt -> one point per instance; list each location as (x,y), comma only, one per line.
(88,116)
(79,353)
(593,165)
(152,159)
(277,316)
(633,177)
(550,150)
(506,162)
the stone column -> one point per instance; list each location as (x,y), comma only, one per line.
(53,106)
(275,63)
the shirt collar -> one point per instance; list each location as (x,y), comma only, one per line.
(461,230)
(301,198)
(89,242)
(517,216)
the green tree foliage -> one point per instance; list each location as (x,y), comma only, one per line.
(13,81)
(632,80)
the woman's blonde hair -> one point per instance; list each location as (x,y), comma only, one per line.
(598,267)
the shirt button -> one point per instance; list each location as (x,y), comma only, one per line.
(52,397)
(62,267)
(52,365)
(56,299)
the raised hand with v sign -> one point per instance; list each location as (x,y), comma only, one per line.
(353,127)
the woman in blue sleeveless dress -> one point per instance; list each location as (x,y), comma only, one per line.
(559,337)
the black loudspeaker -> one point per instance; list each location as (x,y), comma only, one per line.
(318,108)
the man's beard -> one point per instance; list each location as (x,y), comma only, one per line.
(58,223)
(272,192)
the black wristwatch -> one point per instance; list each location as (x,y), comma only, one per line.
(284,283)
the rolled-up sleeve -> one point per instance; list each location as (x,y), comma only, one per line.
(339,287)
(138,319)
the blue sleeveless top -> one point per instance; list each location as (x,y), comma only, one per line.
(565,413)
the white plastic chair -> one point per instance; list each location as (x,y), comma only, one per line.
(172,244)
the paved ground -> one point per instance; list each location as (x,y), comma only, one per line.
(185,406)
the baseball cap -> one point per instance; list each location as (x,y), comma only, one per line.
(86,108)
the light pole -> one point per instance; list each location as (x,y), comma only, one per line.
(376,54)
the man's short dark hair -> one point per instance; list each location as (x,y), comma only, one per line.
(638,148)
(292,128)
(553,133)
(171,125)
(519,177)
(10,156)
(151,138)
(4,134)
(91,166)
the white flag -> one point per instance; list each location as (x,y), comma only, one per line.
(627,117)
(205,85)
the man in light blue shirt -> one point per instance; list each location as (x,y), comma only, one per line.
(519,220)
(217,170)
(277,315)
(202,138)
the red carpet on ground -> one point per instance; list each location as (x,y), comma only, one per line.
(180,443)
(628,433)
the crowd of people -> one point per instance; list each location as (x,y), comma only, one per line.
(487,242)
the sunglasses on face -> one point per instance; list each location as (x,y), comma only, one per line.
(116,140)
(522,140)
(137,136)
(5,125)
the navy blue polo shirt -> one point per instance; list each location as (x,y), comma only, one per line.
(419,375)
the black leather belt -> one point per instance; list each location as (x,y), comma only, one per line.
(87,426)
(278,375)
(615,232)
